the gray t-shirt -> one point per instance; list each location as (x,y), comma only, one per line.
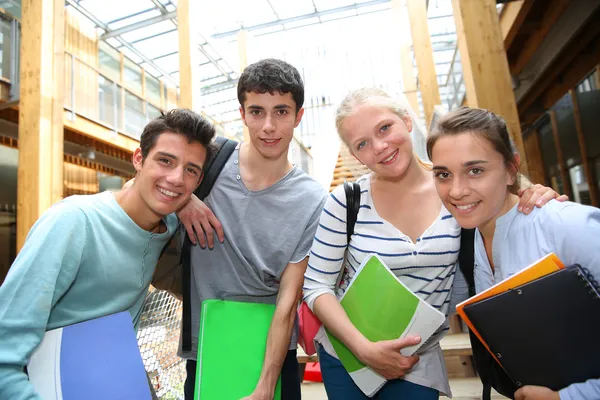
(264,231)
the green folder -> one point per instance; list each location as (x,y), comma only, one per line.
(381,307)
(231,349)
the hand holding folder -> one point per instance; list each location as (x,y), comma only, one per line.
(543,332)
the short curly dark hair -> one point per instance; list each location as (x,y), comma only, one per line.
(193,126)
(271,75)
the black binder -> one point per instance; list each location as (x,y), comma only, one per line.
(546,332)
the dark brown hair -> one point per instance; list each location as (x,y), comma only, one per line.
(182,121)
(482,123)
(273,76)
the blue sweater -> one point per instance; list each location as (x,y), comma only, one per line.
(83,259)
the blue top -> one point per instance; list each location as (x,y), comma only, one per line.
(83,259)
(569,230)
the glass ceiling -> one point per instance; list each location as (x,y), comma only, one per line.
(328,40)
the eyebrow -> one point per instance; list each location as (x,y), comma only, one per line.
(467,164)
(174,157)
(277,107)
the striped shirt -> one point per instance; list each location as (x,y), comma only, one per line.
(426,266)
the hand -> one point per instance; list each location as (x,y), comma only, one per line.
(197,218)
(259,394)
(537,196)
(385,359)
(536,393)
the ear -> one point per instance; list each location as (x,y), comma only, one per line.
(408,123)
(299,115)
(513,169)
(243,115)
(137,159)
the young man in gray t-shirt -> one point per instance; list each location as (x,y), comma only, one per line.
(265,212)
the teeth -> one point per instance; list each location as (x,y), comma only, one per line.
(167,192)
(466,207)
(390,157)
(270,140)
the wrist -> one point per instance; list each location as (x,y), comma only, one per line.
(362,350)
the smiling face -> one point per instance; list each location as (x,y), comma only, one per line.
(169,174)
(271,119)
(379,138)
(471,178)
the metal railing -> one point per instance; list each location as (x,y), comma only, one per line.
(455,84)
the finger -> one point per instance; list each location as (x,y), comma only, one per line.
(519,394)
(200,233)
(405,342)
(208,230)
(562,198)
(217,226)
(546,197)
(525,200)
(190,231)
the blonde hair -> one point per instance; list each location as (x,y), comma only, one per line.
(375,97)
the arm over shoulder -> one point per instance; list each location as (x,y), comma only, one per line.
(42,272)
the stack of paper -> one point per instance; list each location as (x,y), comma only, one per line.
(231,349)
(382,308)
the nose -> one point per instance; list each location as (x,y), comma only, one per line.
(269,126)
(379,146)
(459,188)
(175,177)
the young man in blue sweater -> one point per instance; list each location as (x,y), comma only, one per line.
(92,256)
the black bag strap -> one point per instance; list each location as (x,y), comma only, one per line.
(489,371)
(352,190)
(466,257)
(212,169)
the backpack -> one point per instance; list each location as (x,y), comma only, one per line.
(308,322)
(492,375)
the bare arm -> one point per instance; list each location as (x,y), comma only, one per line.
(280,333)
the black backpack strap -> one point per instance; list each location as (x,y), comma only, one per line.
(489,371)
(466,257)
(212,169)
(352,190)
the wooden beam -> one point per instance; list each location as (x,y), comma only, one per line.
(511,19)
(189,81)
(564,174)
(41,140)
(537,173)
(485,67)
(430,92)
(409,81)
(242,39)
(571,68)
(587,168)
(573,32)
(553,12)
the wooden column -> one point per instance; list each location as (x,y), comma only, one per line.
(564,174)
(189,79)
(587,168)
(409,82)
(537,173)
(485,66)
(242,39)
(41,135)
(430,92)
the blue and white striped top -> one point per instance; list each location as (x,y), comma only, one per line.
(426,266)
